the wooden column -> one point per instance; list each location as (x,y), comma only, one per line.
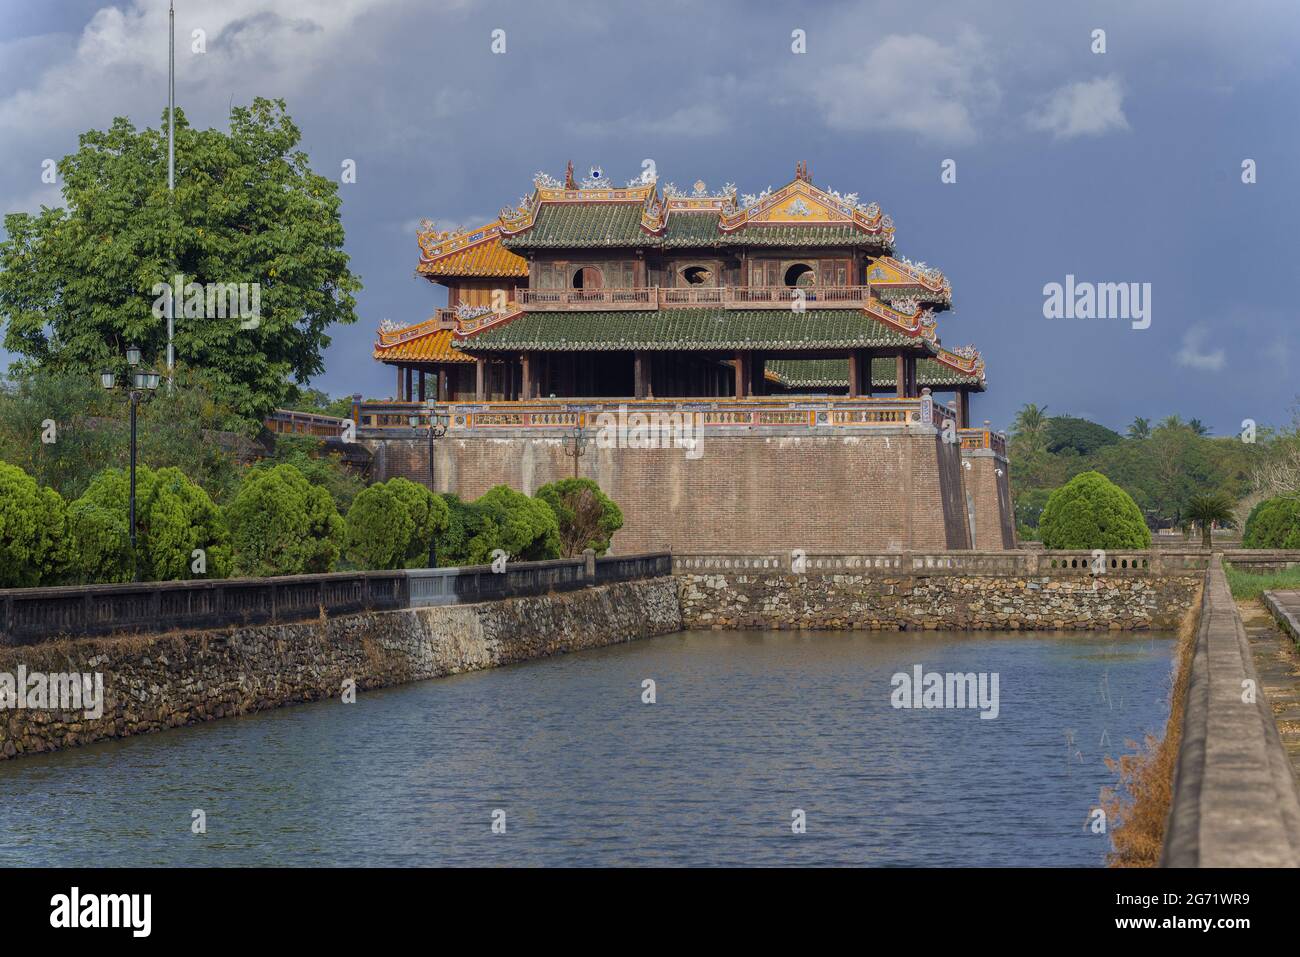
(638,376)
(900,376)
(963,408)
(443,393)
(649,374)
(399,384)
(855,373)
(527,385)
(480,371)
(410,383)
(740,375)
(868,357)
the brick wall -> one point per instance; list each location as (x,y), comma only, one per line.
(991,497)
(895,489)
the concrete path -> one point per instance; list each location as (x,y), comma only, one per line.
(1235,798)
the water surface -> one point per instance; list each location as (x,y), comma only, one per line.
(747,727)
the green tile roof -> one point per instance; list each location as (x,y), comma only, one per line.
(605,224)
(840,234)
(691,329)
(564,225)
(831,373)
(692,229)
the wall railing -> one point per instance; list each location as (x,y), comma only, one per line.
(726,297)
(32,615)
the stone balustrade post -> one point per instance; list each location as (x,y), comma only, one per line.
(589,554)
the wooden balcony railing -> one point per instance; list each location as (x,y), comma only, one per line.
(726,297)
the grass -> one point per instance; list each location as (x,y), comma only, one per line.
(1138,806)
(1247,585)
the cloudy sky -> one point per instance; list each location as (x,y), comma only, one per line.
(1122,166)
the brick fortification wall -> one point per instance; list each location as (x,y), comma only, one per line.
(989,495)
(887,490)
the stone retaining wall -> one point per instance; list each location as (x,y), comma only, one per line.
(872,600)
(162,681)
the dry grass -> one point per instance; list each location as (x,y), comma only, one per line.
(1137,808)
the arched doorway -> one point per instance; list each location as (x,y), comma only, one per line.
(588,277)
(800,274)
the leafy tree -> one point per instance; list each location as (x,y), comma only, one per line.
(1080,435)
(174,518)
(379,529)
(77,284)
(462,526)
(314,400)
(588,517)
(280,524)
(34,547)
(1206,510)
(1090,511)
(525,528)
(1274,523)
(319,465)
(429,516)
(1198,427)
(1140,428)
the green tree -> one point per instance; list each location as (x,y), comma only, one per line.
(429,515)
(34,546)
(1207,509)
(1274,523)
(462,526)
(588,517)
(1090,511)
(1080,435)
(525,528)
(1030,425)
(78,283)
(280,524)
(379,529)
(319,465)
(1140,428)
(175,519)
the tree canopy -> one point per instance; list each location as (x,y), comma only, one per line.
(78,283)
(588,517)
(1090,511)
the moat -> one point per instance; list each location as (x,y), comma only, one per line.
(747,727)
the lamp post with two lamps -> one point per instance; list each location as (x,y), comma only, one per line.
(436,427)
(137,384)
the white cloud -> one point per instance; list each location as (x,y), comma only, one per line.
(1194,354)
(1086,108)
(906,82)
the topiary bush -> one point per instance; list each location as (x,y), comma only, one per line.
(525,528)
(588,517)
(379,529)
(1091,511)
(1273,523)
(34,542)
(430,517)
(174,518)
(281,524)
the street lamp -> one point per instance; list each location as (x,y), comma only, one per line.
(575,444)
(437,428)
(138,385)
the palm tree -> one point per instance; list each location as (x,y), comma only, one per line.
(1206,510)
(1030,422)
(1199,427)
(1140,429)
(1171,422)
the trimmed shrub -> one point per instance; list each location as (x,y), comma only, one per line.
(1090,511)
(174,517)
(525,528)
(280,524)
(588,517)
(430,517)
(34,543)
(379,529)
(1273,523)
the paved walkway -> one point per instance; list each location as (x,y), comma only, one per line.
(1277,661)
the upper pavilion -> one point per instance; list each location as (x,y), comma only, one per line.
(586,289)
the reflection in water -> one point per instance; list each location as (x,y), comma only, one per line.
(748,726)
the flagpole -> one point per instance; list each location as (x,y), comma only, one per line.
(171,176)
